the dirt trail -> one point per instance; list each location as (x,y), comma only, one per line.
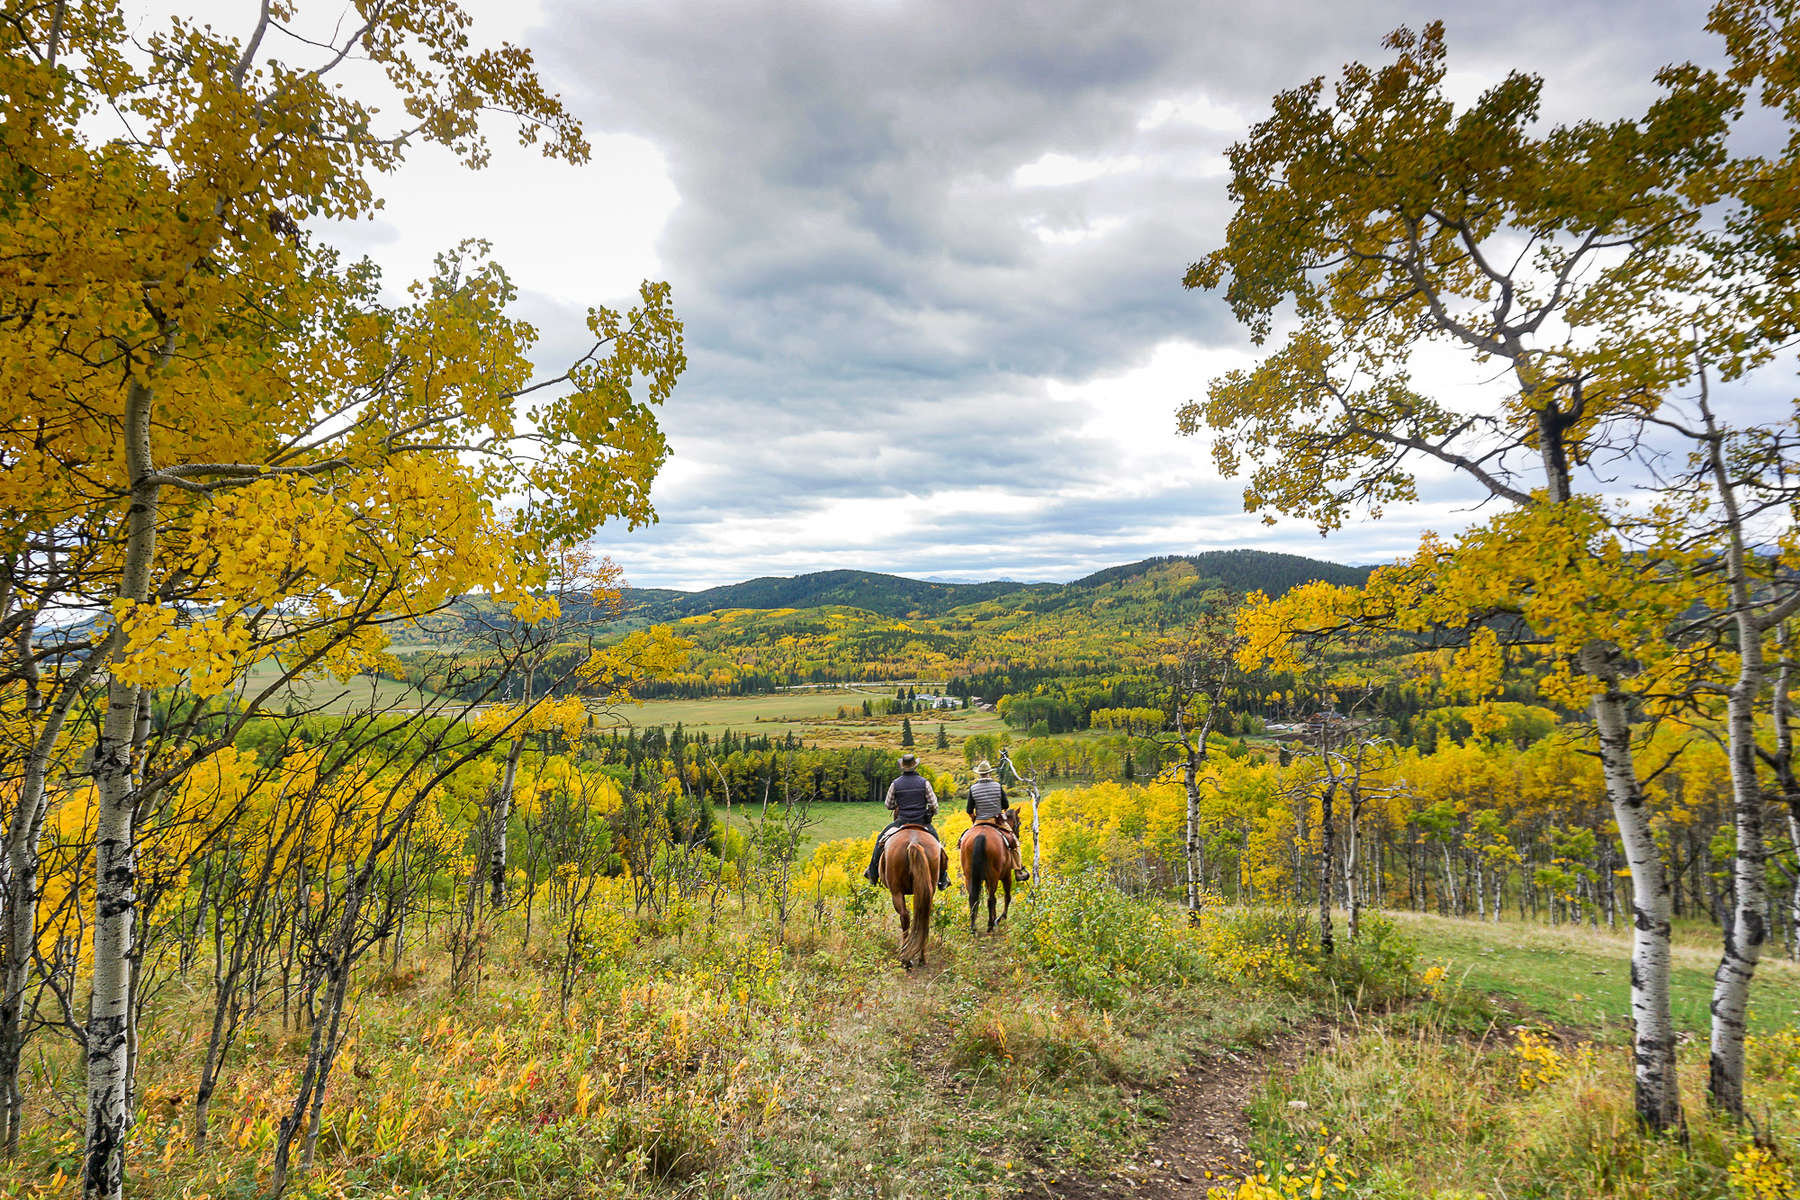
(1208,1130)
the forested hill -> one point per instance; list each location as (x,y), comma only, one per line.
(839,626)
(1237,571)
(884,595)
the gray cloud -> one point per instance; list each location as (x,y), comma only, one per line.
(878,306)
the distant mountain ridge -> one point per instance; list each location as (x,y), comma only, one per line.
(872,591)
(1237,571)
(1240,571)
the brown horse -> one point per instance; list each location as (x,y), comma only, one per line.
(986,860)
(909,866)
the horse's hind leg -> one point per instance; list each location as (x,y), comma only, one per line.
(992,920)
(974,899)
(1006,882)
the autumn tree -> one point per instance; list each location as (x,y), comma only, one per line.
(1200,672)
(261,458)
(585,589)
(1563,254)
(1740,479)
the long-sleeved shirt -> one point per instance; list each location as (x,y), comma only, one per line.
(986,799)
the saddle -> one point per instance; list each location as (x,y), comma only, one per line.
(882,839)
(1006,833)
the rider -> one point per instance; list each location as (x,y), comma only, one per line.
(912,802)
(987,800)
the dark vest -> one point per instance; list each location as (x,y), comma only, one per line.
(910,805)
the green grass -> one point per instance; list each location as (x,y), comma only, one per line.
(335,696)
(834,821)
(1582,977)
(811,716)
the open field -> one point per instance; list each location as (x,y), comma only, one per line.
(812,717)
(834,821)
(1580,977)
(336,696)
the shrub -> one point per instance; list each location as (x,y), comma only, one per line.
(1271,944)
(1097,942)
(1379,968)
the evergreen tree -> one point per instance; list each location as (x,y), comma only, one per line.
(943,739)
(906,733)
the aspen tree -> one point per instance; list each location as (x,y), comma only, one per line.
(1389,218)
(1200,672)
(1762,39)
(241,423)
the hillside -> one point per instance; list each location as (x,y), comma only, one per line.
(884,595)
(999,634)
(1237,571)
(842,626)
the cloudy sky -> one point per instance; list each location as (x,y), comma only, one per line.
(929,255)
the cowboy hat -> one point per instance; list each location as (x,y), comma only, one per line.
(983,769)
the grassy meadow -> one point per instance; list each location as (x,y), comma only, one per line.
(717,1054)
(828,822)
(812,717)
(361,694)
(1581,978)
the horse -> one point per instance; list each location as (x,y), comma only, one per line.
(909,866)
(986,860)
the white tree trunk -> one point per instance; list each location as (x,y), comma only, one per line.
(1794,900)
(1450,882)
(18,932)
(1784,769)
(1658,1094)
(1190,778)
(1327,944)
(1746,923)
(501,816)
(115,847)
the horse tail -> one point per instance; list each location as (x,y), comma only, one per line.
(978,869)
(924,888)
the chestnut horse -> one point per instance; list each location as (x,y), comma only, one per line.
(909,867)
(986,860)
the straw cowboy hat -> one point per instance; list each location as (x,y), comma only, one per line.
(983,770)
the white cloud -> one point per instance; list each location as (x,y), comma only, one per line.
(579,234)
(1069,235)
(1195,109)
(1052,169)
